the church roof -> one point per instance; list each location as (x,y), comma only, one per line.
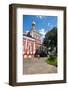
(28,36)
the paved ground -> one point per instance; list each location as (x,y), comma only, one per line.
(38,66)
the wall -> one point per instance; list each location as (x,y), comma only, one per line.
(4,47)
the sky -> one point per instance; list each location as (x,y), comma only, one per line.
(43,23)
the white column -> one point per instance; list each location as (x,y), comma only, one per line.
(34,48)
(28,49)
(26,44)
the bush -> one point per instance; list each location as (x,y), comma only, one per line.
(52,60)
(51,57)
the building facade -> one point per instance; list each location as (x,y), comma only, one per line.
(31,41)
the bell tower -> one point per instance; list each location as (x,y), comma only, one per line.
(33,25)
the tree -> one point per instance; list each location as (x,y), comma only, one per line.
(41,51)
(50,39)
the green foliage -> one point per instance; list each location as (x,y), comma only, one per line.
(52,60)
(51,57)
(50,39)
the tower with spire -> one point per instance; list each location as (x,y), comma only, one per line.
(32,41)
(33,25)
(34,33)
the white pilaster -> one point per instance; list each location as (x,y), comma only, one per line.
(34,48)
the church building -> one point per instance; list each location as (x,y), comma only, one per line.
(31,41)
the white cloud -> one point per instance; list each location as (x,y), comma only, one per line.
(50,25)
(42,32)
(27,31)
(41,17)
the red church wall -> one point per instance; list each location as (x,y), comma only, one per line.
(31,42)
(28,47)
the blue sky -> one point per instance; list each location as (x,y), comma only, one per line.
(43,23)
